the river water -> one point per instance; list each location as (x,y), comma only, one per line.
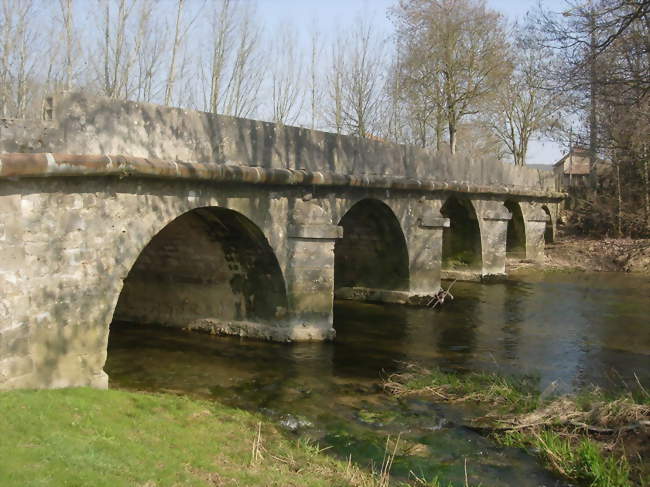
(568,329)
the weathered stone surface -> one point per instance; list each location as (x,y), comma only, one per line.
(233,249)
(144,132)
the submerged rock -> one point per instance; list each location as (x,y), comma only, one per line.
(294,423)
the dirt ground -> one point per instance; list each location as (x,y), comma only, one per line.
(604,255)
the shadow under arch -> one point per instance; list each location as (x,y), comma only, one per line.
(208,265)
(549,234)
(372,253)
(516,234)
(461,241)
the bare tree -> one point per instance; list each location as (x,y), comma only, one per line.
(178,37)
(287,87)
(363,81)
(394,119)
(476,140)
(336,70)
(237,66)
(314,84)
(524,104)
(417,103)
(17,56)
(456,48)
(248,68)
(222,33)
(116,55)
(181,31)
(150,45)
(66,9)
(420,96)
(604,48)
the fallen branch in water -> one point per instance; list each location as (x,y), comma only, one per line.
(440,297)
(484,429)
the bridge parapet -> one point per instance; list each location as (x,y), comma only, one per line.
(81,124)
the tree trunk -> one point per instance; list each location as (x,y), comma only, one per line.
(593,120)
(619,213)
(452,137)
(440,128)
(171,78)
(646,184)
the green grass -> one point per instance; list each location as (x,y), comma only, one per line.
(508,394)
(85,437)
(582,461)
(553,428)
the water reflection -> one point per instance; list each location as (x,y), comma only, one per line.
(571,328)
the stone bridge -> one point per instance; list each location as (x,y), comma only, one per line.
(255,236)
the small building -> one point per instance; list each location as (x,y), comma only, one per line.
(572,169)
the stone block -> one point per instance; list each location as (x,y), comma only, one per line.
(318,232)
(15,366)
(11,231)
(428,221)
(314,278)
(17,310)
(9,283)
(90,200)
(75,256)
(12,257)
(10,205)
(312,254)
(13,346)
(310,302)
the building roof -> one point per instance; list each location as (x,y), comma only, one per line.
(580,163)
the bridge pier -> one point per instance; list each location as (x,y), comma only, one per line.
(310,280)
(493,219)
(536,222)
(425,251)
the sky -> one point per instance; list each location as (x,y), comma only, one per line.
(327,15)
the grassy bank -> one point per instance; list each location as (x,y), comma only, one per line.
(112,438)
(597,439)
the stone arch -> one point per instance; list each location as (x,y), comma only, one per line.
(373,253)
(549,230)
(516,233)
(208,267)
(461,241)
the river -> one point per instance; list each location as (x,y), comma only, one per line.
(567,329)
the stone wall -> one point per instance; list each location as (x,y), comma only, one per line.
(253,260)
(70,246)
(85,125)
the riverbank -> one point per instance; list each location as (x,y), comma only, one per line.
(107,438)
(590,437)
(603,255)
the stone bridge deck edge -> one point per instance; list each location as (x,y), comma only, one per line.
(44,165)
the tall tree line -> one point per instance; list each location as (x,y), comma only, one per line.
(451,73)
(452,76)
(603,72)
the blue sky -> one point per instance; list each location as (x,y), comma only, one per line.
(329,14)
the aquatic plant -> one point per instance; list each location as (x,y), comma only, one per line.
(592,436)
